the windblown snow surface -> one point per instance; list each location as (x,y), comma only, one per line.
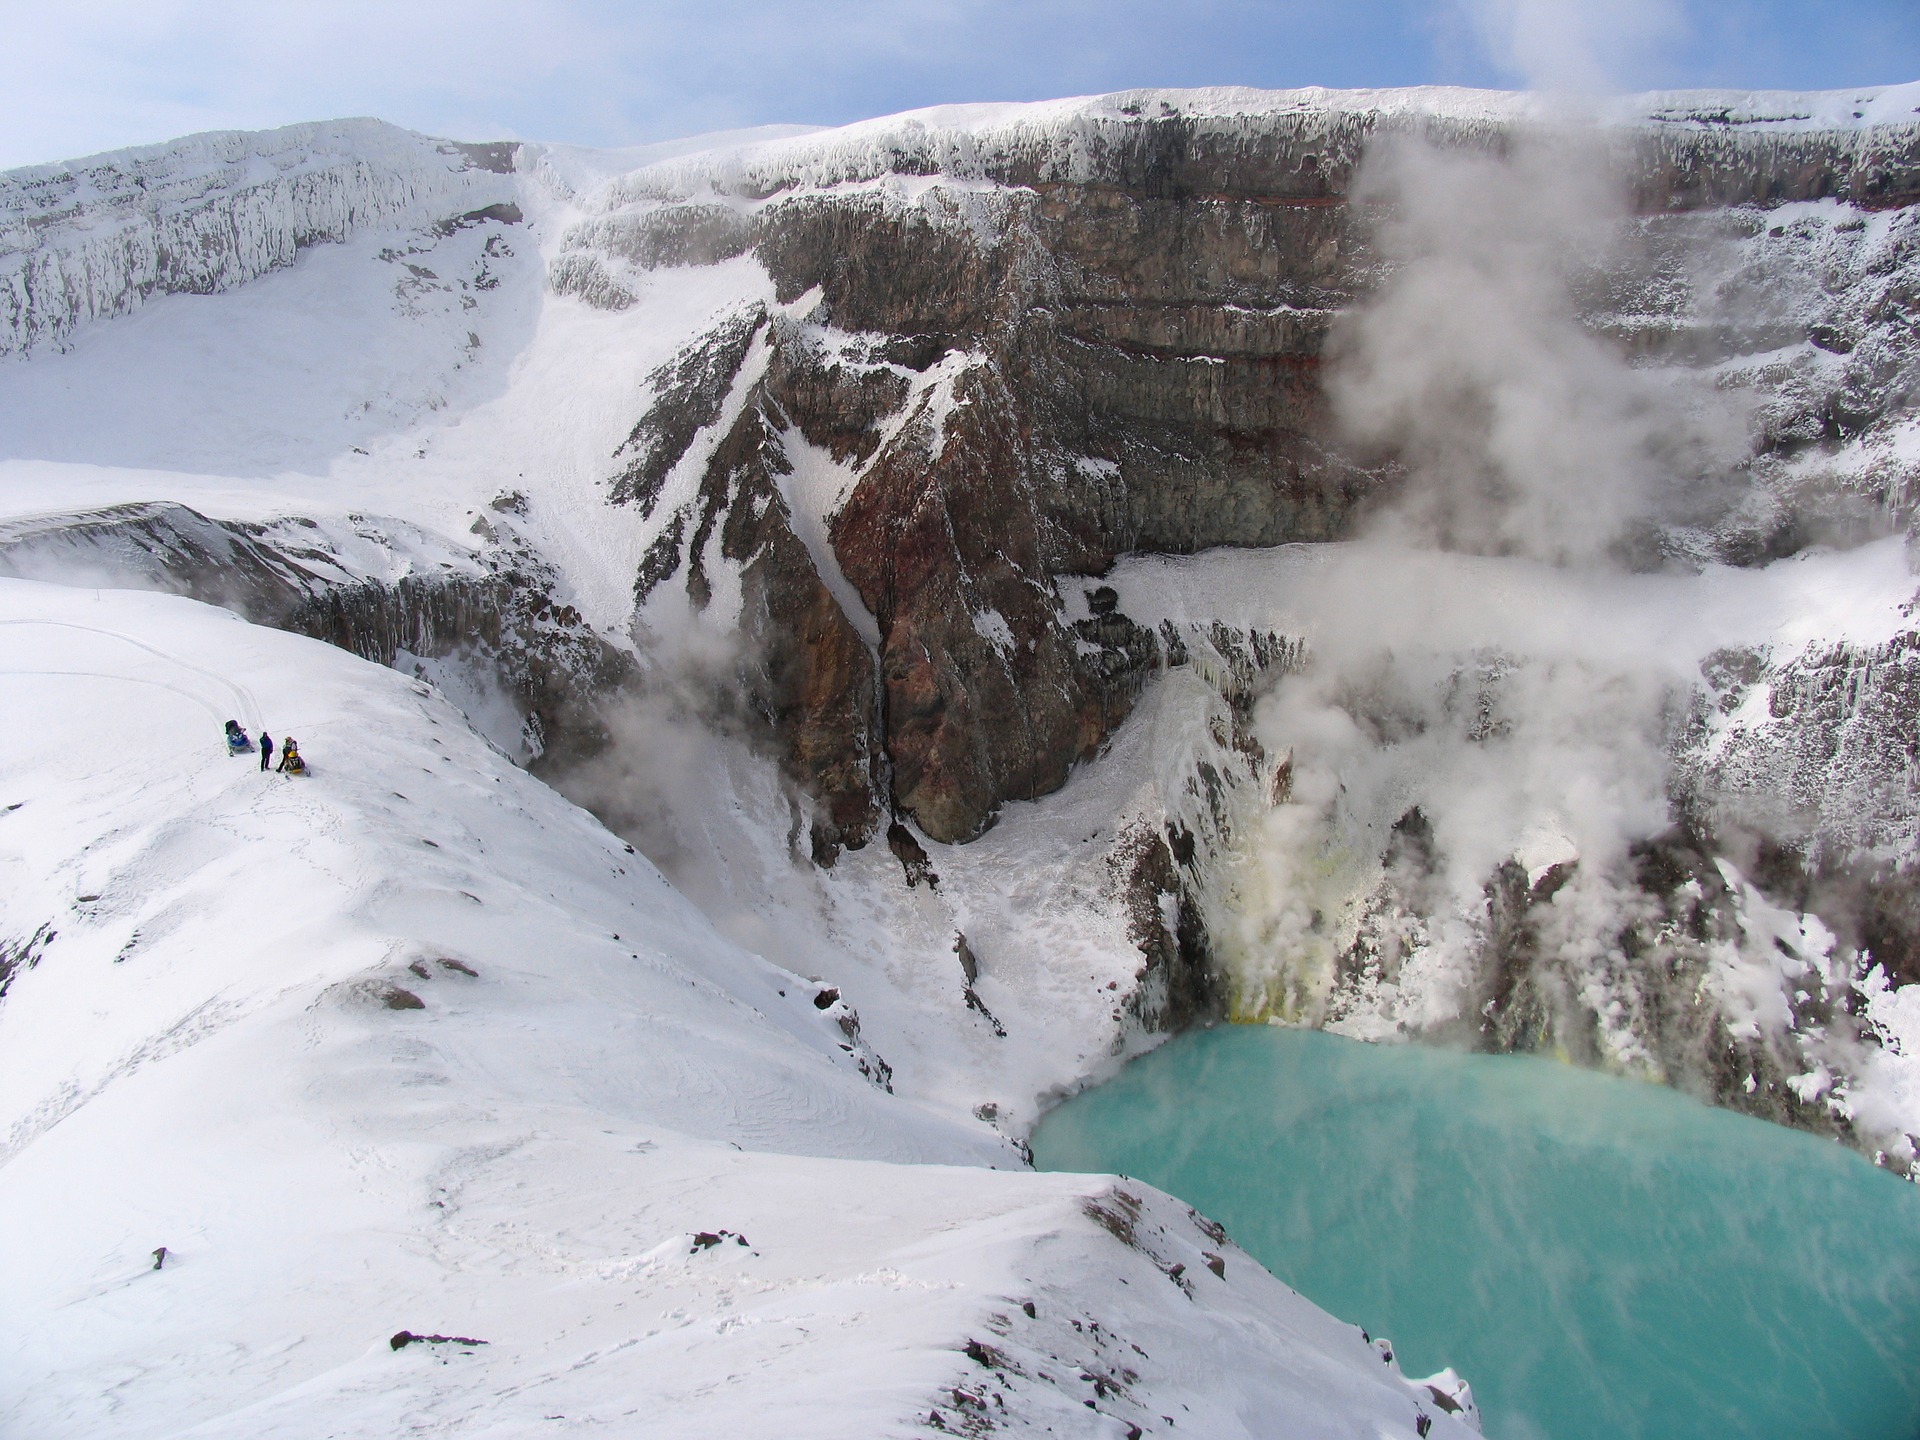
(414,1045)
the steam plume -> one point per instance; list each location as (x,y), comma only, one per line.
(1574,47)
(1440,706)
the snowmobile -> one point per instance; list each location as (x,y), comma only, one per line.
(291,762)
(238,741)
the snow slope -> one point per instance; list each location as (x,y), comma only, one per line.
(414,1045)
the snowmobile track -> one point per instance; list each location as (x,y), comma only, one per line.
(241,696)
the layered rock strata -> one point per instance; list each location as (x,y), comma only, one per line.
(1035,347)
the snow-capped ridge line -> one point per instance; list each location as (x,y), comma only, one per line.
(95,237)
(1067,140)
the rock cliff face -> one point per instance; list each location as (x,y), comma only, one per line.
(1003,358)
(1035,347)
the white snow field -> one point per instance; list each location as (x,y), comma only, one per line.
(582,1079)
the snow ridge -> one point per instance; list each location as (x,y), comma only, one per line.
(297,1073)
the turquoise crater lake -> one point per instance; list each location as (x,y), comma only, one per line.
(1599,1257)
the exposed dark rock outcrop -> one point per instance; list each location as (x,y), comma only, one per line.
(1826,766)
(807,675)
(689,391)
(1092,397)
(987,698)
(1638,991)
(1180,985)
(21,953)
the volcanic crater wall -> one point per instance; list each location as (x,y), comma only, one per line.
(1040,347)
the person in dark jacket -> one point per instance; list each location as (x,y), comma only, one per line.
(266,749)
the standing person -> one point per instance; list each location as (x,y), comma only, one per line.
(266,749)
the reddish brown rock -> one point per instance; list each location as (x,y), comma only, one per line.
(806,675)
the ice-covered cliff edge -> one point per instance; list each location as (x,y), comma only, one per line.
(95,238)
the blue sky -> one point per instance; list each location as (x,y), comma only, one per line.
(87,75)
